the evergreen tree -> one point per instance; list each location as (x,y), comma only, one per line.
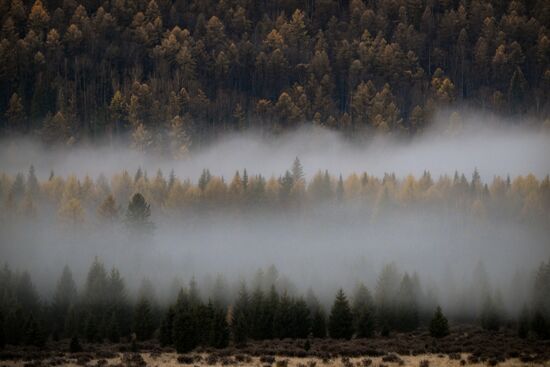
(490,318)
(439,326)
(318,324)
(523,323)
(2,328)
(407,309)
(340,325)
(240,325)
(185,334)
(34,333)
(143,320)
(219,329)
(363,313)
(138,213)
(166,327)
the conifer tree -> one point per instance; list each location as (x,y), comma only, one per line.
(138,213)
(439,326)
(340,324)
(240,317)
(363,313)
(167,327)
(143,320)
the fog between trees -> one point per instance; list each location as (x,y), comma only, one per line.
(488,221)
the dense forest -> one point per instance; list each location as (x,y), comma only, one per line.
(104,310)
(172,74)
(127,199)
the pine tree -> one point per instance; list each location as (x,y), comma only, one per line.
(34,332)
(439,326)
(143,320)
(219,329)
(185,333)
(138,213)
(240,326)
(363,313)
(2,328)
(340,324)
(523,323)
(166,327)
(318,324)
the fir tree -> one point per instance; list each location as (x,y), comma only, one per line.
(143,320)
(439,326)
(341,319)
(138,213)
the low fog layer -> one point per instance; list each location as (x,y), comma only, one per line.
(442,150)
(324,248)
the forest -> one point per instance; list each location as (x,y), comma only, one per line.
(286,183)
(171,75)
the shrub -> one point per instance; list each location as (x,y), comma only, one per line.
(424,363)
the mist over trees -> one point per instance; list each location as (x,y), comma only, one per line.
(171,74)
(102,309)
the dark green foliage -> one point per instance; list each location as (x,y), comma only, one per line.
(219,329)
(240,326)
(138,213)
(439,326)
(65,296)
(185,331)
(166,327)
(113,329)
(283,322)
(363,313)
(540,326)
(2,330)
(15,333)
(318,324)
(34,332)
(490,318)
(523,324)
(301,317)
(143,320)
(340,324)
(407,309)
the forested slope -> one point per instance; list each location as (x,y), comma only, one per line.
(172,73)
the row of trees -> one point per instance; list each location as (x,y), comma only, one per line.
(104,310)
(524,198)
(173,72)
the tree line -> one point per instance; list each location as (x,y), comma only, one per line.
(172,73)
(103,310)
(137,198)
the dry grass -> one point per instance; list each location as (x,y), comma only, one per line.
(202,360)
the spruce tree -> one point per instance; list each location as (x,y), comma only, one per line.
(143,320)
(240,325)
(34,332)
(166,327)
(523,323)
(340,324)
(185,330)
(138,213)
(2,328)
(301,319)
(363,313)
(219,329)
(318,324)
(439,326)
